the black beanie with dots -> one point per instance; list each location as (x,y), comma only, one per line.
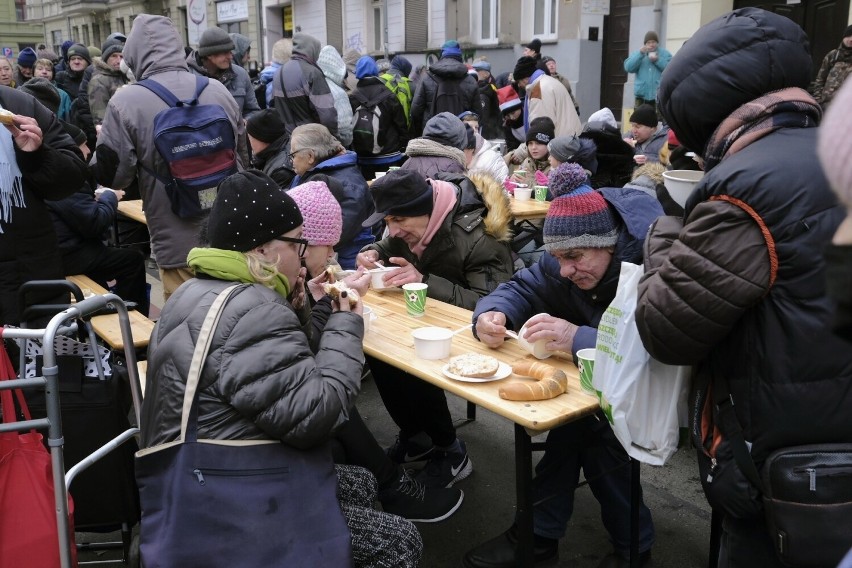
(250,210)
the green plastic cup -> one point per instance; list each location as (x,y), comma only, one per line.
(415,298)
(586,365)
(541,193)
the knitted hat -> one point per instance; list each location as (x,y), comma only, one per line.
(47,54)
(321,212)
(282,50)
(214,40)
(76,134)
(27,57)
(402,65)
(525,67)
(265,125)
(250,210)
(575,150)
(645,115)
(94,51)
(366,67)
(541,130)
(79,50)
(64,48)
(672,139)
(508,99)
(534,45)
(41,89)
(404,193)
(446,128)
(579,216)
(451,48)
(111,46)
(546,59)
(835,145)
(651,36)
(848,31)
(481,65)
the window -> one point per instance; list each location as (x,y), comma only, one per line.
(96,33)
(56,40)
(75,32)
(544,18)
(485,16)
(119,25)
(334,24)
(86,40)
(378,28)
(20,10)
(416,33)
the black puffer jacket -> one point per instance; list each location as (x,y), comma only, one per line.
(738,288)
(447,69)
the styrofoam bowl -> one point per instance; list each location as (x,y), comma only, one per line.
(537,349)
(523,193)
(377,274)
(680,183)
(432,342)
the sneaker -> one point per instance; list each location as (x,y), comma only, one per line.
(407,451)
(413,501)
(445,468)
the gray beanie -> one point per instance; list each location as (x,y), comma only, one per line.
(44,91)
(448,129)
(214,40)
(111,46)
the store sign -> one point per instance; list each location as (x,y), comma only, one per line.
(595,7)
(232,11)
(197,13)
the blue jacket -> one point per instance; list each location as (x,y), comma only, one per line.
(81,218)
(647,72)
(540,288)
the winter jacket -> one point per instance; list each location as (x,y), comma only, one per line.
(393,130)
(242,45)
(737,289)
(235,79)
(69,81)
(546,96)
(126,142)
(469,256)
(488,159)
(260,379)
(447,69)
(301,92)
(430,158)
(567,84)
(81,218)
(647,72)
(80,111)
(541,289)
(652,146)
(28,247)
(104,83)
(267,74)
(275,162)
(835,68)
(356,203)
(334,69)
(490,117)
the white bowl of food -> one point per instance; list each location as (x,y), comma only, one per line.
(537,349)
(680,184)
(377,276)
(432,342)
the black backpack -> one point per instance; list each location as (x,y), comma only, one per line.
(367,137)
(447,96)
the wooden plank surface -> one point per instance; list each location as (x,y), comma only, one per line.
(389,339)
(132,209)
(529,209)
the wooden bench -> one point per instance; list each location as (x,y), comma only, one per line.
(107,327)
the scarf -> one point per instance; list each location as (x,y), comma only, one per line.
(231,266)
(786,108)
(443,201)
(11,182)
(426,147)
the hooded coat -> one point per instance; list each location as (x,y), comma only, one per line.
(104,83)
(446,69)
(334,69)
(737,288)
(126,142)
(241,46)
(835,68)
(302,95)
(469,256)
(235,79)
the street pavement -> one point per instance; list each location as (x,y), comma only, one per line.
(672,492)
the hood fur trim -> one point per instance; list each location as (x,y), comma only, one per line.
(498,222)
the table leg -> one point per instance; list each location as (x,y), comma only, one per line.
(523,487)
(635,503)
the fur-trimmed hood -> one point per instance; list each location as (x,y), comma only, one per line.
(498,220)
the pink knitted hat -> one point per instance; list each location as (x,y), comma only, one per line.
(321,212)
(835,146)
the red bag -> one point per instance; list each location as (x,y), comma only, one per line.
(27,511)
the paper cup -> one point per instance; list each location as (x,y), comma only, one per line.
(368,317)
(586,365)
(523,193)
(520,172)
(415,298)
(541,193)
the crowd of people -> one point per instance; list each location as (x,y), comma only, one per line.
(734,276)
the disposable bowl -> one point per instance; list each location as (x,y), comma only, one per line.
(680,183)
(432,342)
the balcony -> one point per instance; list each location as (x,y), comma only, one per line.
(79,7)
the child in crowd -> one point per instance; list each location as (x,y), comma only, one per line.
(44,68)
(540,133)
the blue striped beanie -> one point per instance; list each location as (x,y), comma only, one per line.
(579,216)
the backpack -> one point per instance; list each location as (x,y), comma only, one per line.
(365,126)
(198,144)
(447,97)
(401,88)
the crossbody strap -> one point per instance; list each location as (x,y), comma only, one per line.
(731,428)
(199,355)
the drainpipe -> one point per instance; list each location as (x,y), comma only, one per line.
(387,55)
(658,16)
(261,33)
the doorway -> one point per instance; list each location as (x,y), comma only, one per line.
(616,35)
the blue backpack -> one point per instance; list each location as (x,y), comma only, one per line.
(198,144)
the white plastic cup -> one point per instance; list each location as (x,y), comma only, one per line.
(368,317)
(523,193)
(432,343)
(537,349)
(377,276)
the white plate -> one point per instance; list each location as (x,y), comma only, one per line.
(503,371)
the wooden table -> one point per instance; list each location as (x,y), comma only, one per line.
(389,339)
(132,209)
(528,209)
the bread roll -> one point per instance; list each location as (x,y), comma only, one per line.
(7,117)
(334,289)
(550,382)
(473,365)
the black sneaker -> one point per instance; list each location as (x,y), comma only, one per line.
(407,451)
(445,468)
(414,501)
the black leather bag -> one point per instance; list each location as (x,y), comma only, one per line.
(807,498)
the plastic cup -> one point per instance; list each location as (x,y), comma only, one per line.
(541,193)
(586,365)
(523,193)
(368,317)
(415,298)
(538,349)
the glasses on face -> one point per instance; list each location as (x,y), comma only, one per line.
(294,152)
(303,243)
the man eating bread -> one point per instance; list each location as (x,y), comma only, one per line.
(587,235)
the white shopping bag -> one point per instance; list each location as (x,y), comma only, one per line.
(644,400)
